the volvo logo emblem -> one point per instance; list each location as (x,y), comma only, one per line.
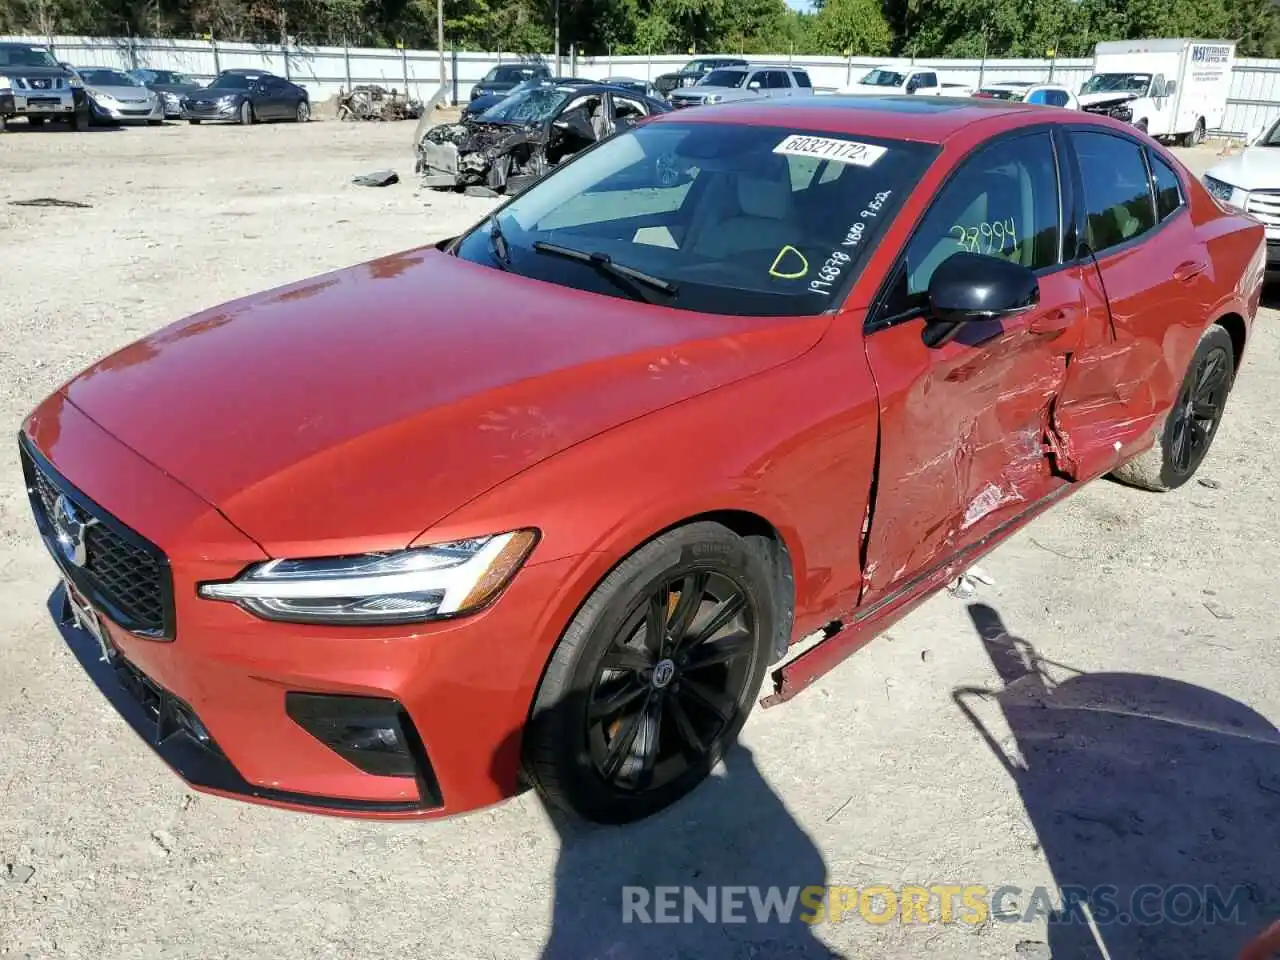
(70,526)
(663,672)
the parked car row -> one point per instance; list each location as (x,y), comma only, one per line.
(34,85)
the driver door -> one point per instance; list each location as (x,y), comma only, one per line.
(965,427)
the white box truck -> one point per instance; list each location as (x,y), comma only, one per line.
(1172,89)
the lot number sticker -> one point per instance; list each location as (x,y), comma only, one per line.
(825,148)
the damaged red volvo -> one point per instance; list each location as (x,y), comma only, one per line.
(546,503)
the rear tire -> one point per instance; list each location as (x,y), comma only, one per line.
(654,677)
(1192,422)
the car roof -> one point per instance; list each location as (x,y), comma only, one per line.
(923,119)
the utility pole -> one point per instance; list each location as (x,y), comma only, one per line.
(440,38)
(557,38)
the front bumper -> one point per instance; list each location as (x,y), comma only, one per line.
(212,695)
(37,103)
(211,110)
(118,112)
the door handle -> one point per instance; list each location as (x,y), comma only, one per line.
(1191,268)
(1051,321)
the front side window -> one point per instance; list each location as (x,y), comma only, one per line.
(1117,192)
(719,218)
(777,80)
(1168,188)
(926,79)
(1003,202)
(1056,98)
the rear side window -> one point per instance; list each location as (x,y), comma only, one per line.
(927,79)
(1117,192)
(1168,189)
(802,79)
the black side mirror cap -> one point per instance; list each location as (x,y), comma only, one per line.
(968,287)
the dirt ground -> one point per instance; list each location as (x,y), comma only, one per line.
(1164,605)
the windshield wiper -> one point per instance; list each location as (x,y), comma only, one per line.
(499,243)
(634,280)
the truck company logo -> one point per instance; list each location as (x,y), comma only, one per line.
(1210,54)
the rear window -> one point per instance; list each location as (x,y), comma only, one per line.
(727,219)
(801,78)
(515,74)
(724,78)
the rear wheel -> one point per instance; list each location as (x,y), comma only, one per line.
(653,679)
(1192,423)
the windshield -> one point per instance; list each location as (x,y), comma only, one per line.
(883,78)
(723,78)
(1117,83)
(512,74)
(234,81)
(26,57)
(533,105)
(697,66)
(741,220)
(167,77)
(107,78)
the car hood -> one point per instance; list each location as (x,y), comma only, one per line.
(120,93)
(181,89)
(1256,168)
(1104,99)
(356,409)
(19,71)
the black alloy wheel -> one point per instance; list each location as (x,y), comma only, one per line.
(653,678)
(1198,410)
(1192,421)
(670,683)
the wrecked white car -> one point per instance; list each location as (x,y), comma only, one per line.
(517,140)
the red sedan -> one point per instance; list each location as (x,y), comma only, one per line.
(546,502)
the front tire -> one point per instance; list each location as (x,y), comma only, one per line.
(246,113)
(1191,423)
(36,121)
(653,679)
(193,122)
(304,112)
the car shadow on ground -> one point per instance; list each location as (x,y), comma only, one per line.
(22,127)
(1156,804)
(732,831)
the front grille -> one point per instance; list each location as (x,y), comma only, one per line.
(43,101)
(123,575)
(1264,206)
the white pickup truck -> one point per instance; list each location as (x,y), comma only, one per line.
(920,81)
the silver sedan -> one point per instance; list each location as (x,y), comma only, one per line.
(114,97)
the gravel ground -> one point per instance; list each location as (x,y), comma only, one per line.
(1165,605)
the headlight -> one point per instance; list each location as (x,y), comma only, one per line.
(5,83)
(74,82)
(105,97)
(408,586)
(713,98)
(1218,188)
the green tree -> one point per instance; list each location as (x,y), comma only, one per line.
(857,27)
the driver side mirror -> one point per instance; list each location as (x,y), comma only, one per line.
(753,85)
(969,287)
(1171,88)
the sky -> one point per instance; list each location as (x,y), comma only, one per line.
(804,4)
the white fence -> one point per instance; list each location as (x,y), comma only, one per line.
(1255,85)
